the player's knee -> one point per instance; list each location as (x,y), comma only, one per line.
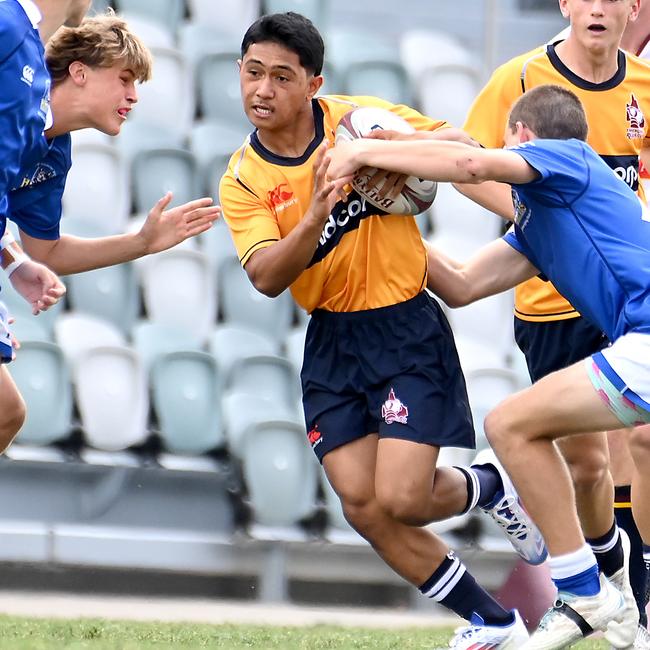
(361,511)
(498,429)
(588,469)
(11,421)
(402,505)
(639,441)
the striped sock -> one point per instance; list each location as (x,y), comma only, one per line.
(484,486)
(608,550)
(452,585)
(576,572)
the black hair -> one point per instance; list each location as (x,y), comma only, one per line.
(550,111)
(293,31)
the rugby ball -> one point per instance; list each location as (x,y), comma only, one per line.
(417,195)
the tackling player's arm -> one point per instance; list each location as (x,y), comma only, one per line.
(494,268)
(485,123)
(275,267)
(161,230)
(431,159)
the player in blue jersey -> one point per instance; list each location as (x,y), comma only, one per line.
(94,70)
(564,196)
(94,67)
(24,113)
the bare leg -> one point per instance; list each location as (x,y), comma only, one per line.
(640,450)
(411,552)
(587,457)
(621,462)
(522,429)
(411,489)
(12,409)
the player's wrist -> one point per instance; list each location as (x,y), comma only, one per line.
(12,255)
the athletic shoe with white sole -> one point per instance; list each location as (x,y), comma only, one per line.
(642,641)
(574,617)
(509,513)
(479,636)
(622,635)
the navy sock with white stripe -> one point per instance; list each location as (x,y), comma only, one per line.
(608,550)
(484,486)
(454,587)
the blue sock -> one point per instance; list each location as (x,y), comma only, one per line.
(576,572)
(451,585)
(583,584)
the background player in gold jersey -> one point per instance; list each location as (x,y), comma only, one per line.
(382,384)
(613,87)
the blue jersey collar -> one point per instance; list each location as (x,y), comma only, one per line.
(32,11)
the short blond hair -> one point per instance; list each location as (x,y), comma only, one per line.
(98,42)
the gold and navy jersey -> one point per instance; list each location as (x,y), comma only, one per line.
(618,130)
(365,259)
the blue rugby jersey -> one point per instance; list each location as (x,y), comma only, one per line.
(587,231)
(35,204)
(24,93)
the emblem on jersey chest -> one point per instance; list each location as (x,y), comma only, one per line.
(522,213)
(281,197)
(635,119)
(42,173)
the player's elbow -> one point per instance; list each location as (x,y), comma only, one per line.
(458,300)
(263,281)
(266,286)
(472,169)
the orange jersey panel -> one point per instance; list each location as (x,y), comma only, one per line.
(364,260)
(617,111)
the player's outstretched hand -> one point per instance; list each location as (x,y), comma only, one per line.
(166,228)
(326,191)
(39,286)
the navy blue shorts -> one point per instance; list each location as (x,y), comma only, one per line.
(392,371)
(554,345)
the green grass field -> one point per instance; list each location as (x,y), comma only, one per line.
(42,634)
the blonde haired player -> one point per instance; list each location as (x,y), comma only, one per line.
(94,68)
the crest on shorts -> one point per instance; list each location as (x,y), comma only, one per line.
(393,410)
(635,119)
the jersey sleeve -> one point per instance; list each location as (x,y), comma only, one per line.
(488,115)
(252,224)
(562,168)
(41,216)
(522,247)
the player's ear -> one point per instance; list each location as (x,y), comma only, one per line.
(315,84)
(564,8)
(77,71)
(239,64)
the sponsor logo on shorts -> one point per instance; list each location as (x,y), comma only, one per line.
(314,436)
(393,410)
